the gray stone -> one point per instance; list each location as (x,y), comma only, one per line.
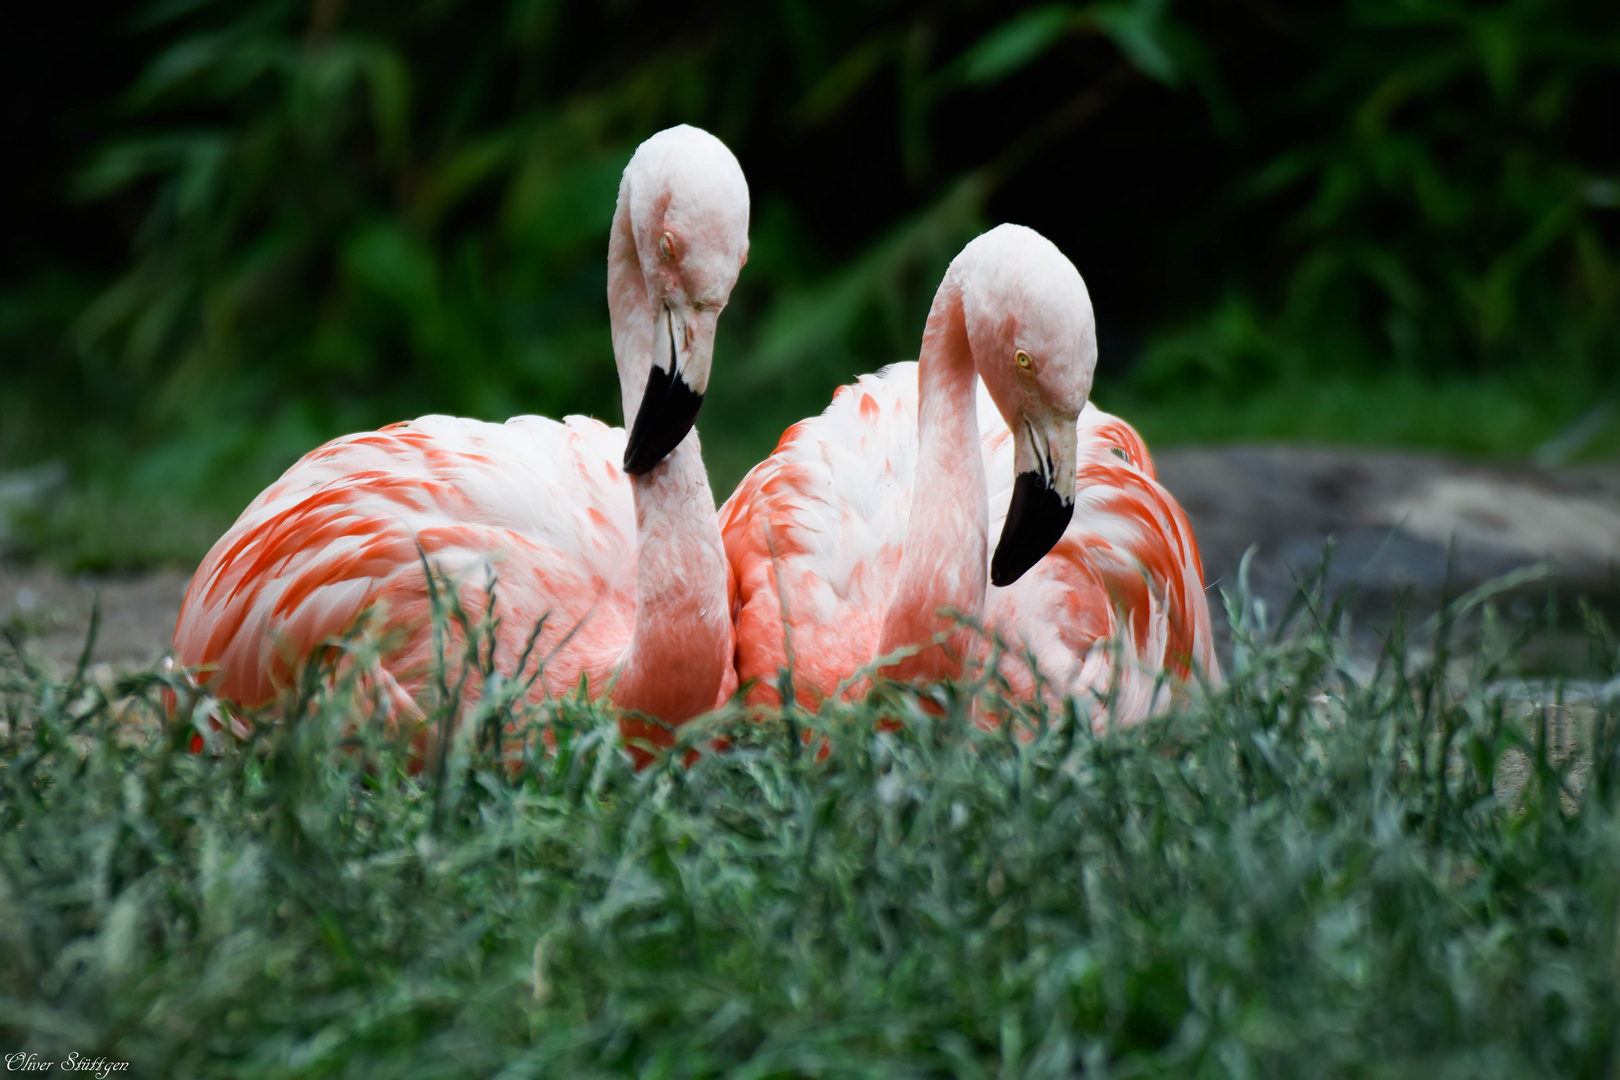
(1422,525)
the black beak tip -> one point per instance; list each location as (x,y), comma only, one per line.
(668,410)
(1004,571)
(642,456)
(1036,520)
(637,462)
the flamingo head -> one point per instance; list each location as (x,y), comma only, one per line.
(1034,343)
(687,206)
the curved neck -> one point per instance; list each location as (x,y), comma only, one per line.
(680,644)
(942,566)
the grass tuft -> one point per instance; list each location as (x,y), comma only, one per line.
(1307,872)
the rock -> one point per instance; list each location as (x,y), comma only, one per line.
(1400,522)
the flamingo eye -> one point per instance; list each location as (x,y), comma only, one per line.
(1022,359)
(666,244)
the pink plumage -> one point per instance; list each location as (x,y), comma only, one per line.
(543,505)
(814,534)
(1125,573)
(818,532)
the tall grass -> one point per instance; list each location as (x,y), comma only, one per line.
(1303,873)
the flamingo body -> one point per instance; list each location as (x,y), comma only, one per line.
(542,505)
(813,534)
(817,531)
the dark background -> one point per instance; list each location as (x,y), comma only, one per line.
(241,228)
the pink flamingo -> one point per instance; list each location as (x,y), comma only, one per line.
(869,522)
(625,564)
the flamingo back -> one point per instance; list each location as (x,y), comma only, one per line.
(814,535)
(542,504)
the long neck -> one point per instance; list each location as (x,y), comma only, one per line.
(943,563)
(680,645)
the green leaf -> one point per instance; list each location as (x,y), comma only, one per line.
(845,80)
(1015,44)
(390,84)
(1497,42)
(1138,29)
(396,265)
(557,204)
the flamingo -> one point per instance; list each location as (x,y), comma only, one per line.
(869,524)
(613,540)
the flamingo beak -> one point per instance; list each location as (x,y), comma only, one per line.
(1043,497)
(675,389)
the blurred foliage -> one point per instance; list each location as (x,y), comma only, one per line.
(1437,219)
(345,213)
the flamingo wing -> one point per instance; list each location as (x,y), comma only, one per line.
(1120,599)
(814,535)
(539,503)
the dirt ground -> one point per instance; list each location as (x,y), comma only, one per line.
(137,612)
(1393,518)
